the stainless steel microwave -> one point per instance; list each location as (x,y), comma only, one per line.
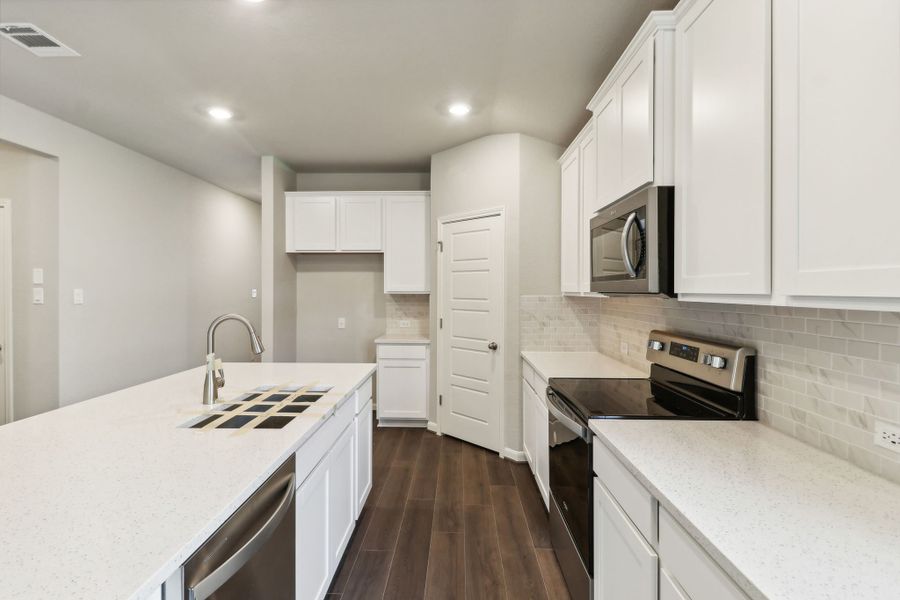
(632,244)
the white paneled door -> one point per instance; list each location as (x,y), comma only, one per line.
(470,351)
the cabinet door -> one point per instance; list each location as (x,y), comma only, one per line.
(668,589)
(635,90)
(837,123)
(589,203)
(570,219)
(542,448)
(625,565)
(528,424)
(313,224)
(407,245)
(363,464)
(402,388)
(341,499)
(609,144)
(361,223)
(313,570)
(723,210)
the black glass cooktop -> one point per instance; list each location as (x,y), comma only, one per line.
(666,395)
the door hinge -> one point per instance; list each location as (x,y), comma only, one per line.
(440,246)
(441,323)
(440,400)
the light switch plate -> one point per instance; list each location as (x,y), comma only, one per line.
(78,296)
(37,276)
(253,293)
(342,323)
(37,295)
(404,324)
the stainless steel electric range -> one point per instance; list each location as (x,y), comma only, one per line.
(689,379)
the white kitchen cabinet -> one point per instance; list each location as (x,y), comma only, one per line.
(341,499)
(542,447)
(313,573)
(668,588)
(570,222)
(836,112)
(402,382)
(535,433)
(587,154)
(722,127)
(362,440)
(311,224)
(634,114)
(529,433)
(407,244)
(625,565)
(360,223)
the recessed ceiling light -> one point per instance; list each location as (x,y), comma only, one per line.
(219,113)
(459,109)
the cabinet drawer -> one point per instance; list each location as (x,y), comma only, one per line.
(690,566)
(418,352)
(321,441)
(362,395)
(528,373)
(637,502)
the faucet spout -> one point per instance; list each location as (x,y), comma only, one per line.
(215,377)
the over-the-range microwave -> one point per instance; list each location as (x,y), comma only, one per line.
(632,244)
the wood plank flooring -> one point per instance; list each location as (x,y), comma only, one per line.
(447,520)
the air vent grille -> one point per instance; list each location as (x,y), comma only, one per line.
(35,40)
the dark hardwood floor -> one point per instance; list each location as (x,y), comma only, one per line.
(448,520)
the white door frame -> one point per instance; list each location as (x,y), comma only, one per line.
(498,211)
(6,304)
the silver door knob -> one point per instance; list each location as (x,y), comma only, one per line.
(492,346)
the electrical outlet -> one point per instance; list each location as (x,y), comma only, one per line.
(78,296)
(623,348)
(887,435)
(253,293)
(342,323)
(404,324)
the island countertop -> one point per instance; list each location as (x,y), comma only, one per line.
(108,497)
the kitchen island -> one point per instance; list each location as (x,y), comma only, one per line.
(108,497)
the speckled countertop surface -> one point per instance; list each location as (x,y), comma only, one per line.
(106,498)
(579,364)
(784,520)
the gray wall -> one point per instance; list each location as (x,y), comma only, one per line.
(344,285)
(159,253)
(494,171)
(30,182)
(279,275)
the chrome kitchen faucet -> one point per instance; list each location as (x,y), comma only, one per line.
(215,377)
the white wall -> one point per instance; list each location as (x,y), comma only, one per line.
(520,174)
(279,275)
(354,182)
(30,182)
(159,253)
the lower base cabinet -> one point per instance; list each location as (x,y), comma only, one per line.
(331,496)
(402,382)
(535,434)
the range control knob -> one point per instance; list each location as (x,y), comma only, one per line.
(716,362)
(655,345)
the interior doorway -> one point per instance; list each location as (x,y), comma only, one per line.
(6,374)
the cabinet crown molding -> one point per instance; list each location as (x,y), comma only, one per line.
(656,21)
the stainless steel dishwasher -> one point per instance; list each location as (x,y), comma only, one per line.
(252,554)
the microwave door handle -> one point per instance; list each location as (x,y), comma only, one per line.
(567,421)
(626,239)
(212,582)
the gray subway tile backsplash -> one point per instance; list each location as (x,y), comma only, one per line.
(825,375)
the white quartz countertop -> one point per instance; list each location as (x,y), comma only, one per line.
(403,339)
(108,497)
(784,520)
(579,364)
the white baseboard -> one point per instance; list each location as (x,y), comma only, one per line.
(403,423)
(433,427)
(513,455)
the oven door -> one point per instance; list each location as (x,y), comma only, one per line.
(571,521)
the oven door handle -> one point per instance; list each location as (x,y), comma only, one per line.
(559,411)
(626,239)
(207,586)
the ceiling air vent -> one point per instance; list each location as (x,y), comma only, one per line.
(34,40)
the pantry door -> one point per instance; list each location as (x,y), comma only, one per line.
(470,329)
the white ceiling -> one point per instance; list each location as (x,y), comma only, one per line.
(326,85)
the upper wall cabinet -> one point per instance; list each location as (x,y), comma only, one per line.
(836,130)
(326,223)
(578,175)
(633,111)
(407,244)
(723,202)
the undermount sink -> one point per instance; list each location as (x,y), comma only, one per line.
(265,407)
